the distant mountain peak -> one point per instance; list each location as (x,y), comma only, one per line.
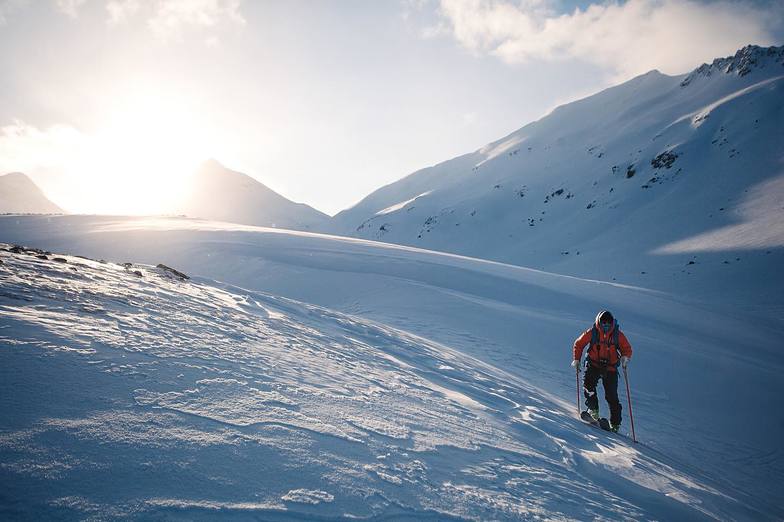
(20,194)
(18,177)
(741,63)
(214,172)
(211,165)
(223,194)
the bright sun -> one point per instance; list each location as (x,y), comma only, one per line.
(140,161)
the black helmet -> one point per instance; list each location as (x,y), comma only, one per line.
(604,317)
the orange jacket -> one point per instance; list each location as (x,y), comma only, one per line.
(604,348)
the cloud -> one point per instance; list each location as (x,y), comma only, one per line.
(8,7)
(174,16)
(69,7)
(172,19)
(625,38)
(24,147)
(121,10)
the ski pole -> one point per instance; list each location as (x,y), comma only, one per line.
(577,376)
(629,399)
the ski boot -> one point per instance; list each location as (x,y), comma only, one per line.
(614,427)
(594,414)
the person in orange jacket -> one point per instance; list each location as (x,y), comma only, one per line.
(607,349)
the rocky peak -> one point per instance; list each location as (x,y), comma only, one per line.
(742,63)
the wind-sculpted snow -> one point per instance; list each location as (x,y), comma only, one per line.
(128,392)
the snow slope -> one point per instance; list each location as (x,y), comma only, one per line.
(207,399)
(18,194)
(490,340)
(669,182)
(222,194)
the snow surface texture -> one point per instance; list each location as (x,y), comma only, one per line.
(672,182)
(416,385)
(225,195)
(18,194)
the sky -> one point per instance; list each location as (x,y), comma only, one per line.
(110,106)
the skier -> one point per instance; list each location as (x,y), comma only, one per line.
(606,342)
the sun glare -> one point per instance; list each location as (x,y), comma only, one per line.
(140,161)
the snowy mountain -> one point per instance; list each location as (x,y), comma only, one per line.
(414,384)
(18,194)
(286,375)
(225,195)
(676,176)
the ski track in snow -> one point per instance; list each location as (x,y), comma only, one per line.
(129,396)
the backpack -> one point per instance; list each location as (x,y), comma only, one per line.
(603,363)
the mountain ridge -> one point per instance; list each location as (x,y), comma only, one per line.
(741,63)
(616,178)
(744,61)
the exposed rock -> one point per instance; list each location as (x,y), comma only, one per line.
(664,160)
(173,271)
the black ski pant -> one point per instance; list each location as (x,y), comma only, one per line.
(610,381)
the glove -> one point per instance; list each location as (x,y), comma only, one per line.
(624,361)
(576,364)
